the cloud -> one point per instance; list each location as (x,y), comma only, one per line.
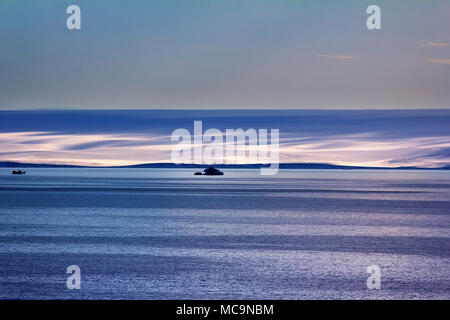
(338,57)
(84,149)
(439,61)
(429,44)
(364,149)
(113,138)
(370,149)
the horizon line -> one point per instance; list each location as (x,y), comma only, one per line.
(2,163)
(232,108)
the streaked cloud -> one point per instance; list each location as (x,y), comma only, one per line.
(113,138)
(439,61)
(84,149)
(115,150)
(429,44)
(334,56)
(370,150)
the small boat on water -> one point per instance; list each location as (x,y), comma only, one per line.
(18,172)
(211,171)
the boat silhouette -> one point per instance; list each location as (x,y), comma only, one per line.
(211,171)
(18,172)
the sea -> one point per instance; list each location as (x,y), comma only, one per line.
(167,234)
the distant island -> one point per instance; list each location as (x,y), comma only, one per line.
(10,164)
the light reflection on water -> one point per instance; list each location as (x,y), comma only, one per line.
(165,234)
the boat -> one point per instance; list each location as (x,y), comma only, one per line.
(18,172)
(211,171)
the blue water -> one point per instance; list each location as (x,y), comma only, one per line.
(165,234)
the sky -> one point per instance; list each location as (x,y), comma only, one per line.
(387,138)
(301,54)
(331,84)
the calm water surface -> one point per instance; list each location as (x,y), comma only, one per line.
(165,234)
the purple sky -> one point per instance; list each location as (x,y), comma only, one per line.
(368,138)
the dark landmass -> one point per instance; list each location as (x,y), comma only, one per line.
(9,164)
